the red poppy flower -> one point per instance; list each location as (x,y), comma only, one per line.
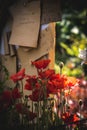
(71,81)
(46,74)
(5,100)
(31,79)
(52,87)
(28,86)
(19,108)
(56,82)
(7,96)
(57,76)
(31,115)
(63,81)
(18,76)
(31,85)
(30,82)
(75,118)
(37,95)
(24,110)
(41,64)
(67,118)
(15,93)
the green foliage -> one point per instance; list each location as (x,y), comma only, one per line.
(4,74)
(71,35)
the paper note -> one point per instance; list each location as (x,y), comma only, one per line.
(26,24)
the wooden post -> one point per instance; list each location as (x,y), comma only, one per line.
(52,49)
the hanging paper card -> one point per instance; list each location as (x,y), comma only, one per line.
(50,11)
(26,23)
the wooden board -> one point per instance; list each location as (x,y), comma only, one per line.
(26,24)
(51,54)
(46,46)
(51,11)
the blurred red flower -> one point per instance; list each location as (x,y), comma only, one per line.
(18,76)
(7,96)
(28,86)
(15,93)
(71,81)
(69,118)
(24,110)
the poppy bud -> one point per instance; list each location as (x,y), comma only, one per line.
(61,64)
(64,101)
(26,96)
(80,102)
(67,106)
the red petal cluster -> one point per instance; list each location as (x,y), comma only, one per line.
(46,74)
(37,95)
(56,82)
(31,82)
(41,64)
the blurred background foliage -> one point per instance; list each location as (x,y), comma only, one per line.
(71,35)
